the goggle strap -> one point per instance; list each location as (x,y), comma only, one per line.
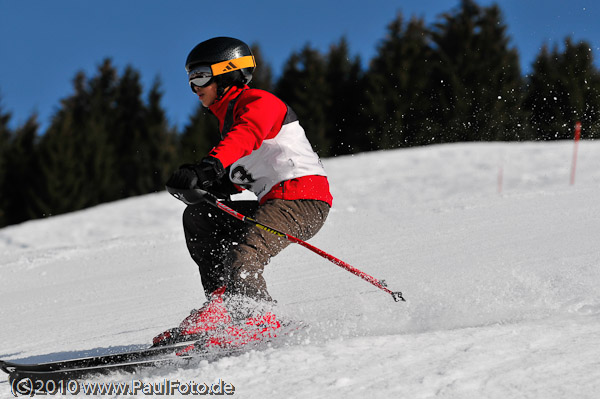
(233,65)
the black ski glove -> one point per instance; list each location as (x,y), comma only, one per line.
(200,175)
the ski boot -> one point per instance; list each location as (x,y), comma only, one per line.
(211,316)
(252,322)
(254,329)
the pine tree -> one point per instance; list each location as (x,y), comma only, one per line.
(144,144)
(478,76)
(399,86)
(105,143)
(129,135)
(162,140)
(262,78)
(5,136)
(303,86)
(563,88)
(344,125)
(75,155)
(18,184)
(198,137)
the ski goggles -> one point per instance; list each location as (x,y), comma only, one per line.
(200,77)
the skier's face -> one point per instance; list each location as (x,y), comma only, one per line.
(207,95)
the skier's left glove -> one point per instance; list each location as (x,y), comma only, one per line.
(200,175)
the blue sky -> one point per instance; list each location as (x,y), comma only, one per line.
(43,43)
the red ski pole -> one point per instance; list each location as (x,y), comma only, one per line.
(196,195)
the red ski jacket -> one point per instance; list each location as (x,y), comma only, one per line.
(266,148)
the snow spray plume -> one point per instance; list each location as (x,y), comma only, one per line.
(194,196)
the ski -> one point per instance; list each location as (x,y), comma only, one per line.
(112,358)
(28,379)
(37,378)
(43,377)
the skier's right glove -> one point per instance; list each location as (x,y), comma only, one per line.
(200,175)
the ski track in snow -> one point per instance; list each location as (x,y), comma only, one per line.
(501,288)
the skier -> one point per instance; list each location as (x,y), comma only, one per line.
(264,149)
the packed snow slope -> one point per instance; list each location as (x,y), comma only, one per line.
(497,255)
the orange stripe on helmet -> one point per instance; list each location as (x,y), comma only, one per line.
(233,65)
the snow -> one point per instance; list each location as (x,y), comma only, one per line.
(501,287)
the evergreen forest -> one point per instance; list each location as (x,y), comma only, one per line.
(456,80)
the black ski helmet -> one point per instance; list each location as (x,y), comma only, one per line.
(230,60)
